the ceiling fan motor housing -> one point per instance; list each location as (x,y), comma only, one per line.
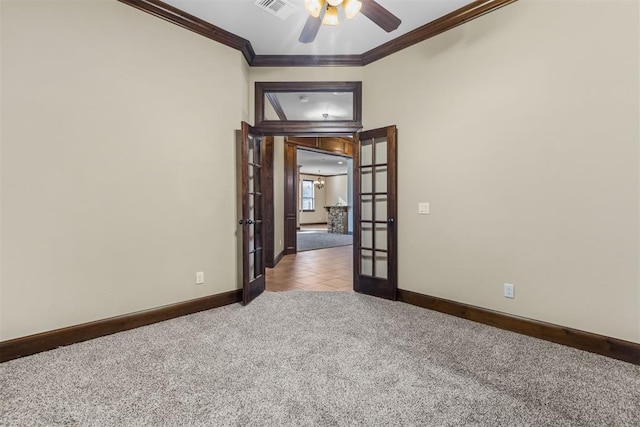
(319,14)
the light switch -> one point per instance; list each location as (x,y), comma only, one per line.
(423,208)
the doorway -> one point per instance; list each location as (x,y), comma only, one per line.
(374,254)
(315,185)
(319,186)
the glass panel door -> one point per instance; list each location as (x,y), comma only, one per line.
(375,211)
(252,210)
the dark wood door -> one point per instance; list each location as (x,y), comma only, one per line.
(375,242)
(252,221)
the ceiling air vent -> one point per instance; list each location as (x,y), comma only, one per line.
(280,8)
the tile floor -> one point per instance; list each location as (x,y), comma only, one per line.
(320,270)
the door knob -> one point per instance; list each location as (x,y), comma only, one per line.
(249,221)
(390,221)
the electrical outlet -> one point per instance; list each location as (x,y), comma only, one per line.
(423,208)
(509,290)
(199,277)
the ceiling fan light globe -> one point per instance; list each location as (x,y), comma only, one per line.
(351,8)
(313,7)
(331,16)
(334,3)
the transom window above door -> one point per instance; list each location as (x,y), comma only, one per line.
(302,108)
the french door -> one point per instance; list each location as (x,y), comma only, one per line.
(375,257)
(251,156)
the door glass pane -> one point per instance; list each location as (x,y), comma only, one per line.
(366,208)
(381,208)
(366,152)
(251,206)
(381,265)
(257,209)
(366,236)
(366,263)
(252,237)
(257,231)
(381,236)
(256,155)
(366,180)
(251,149)
(257,256)
(252,266)
(251,186)
(381,150)
(256,179)
(381,180)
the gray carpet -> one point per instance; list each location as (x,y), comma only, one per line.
(313,358)
(311,240)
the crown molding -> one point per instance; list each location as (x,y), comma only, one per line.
(273,100)
(307,61)
(445,23)
(185,20)
(178,17)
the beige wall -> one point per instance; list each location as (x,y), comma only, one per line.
(278,195)
(320,195)
(521,130)
(1,162)
(117,153)
(244,89)
(336,187)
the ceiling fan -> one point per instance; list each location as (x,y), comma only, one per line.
(326,12)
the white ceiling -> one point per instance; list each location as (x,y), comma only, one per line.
(337,105)
(311,162)
(270,35)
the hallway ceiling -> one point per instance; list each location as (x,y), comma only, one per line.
(312,106)
(271,35)
(314,163)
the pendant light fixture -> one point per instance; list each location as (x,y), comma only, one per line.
(319,182)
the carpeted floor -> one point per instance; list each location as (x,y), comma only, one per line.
(311,240)
(313,358)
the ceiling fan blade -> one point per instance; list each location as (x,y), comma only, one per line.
(310,30)
(379,15)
